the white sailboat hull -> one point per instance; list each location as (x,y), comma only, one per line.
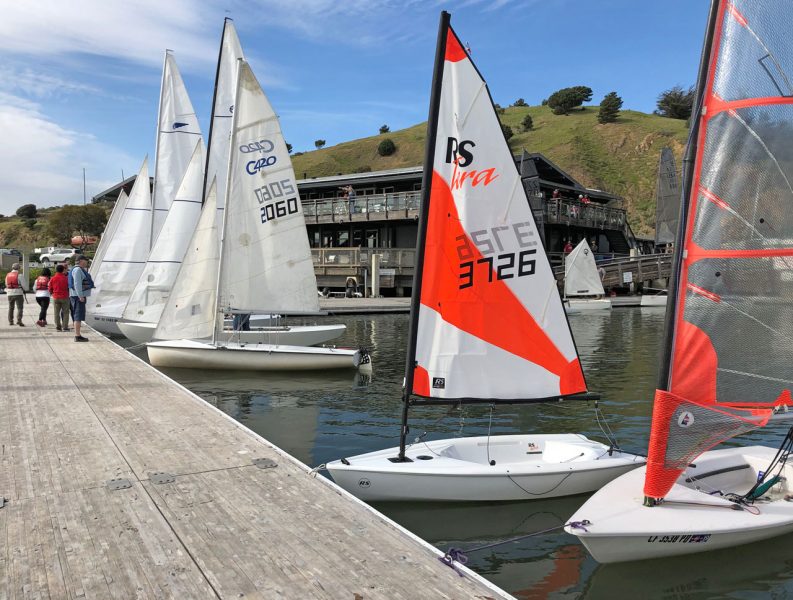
(308,335)
(574,305)
(654,300)
(190,354)
(459,470)
(103,323)
(689,520)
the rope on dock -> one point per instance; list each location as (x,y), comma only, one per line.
(455,556)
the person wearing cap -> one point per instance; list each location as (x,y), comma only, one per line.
(15,290)
(80,290)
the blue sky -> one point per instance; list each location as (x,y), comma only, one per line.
(79,80)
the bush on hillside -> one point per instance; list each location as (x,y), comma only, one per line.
(384,129)
(508,133)
(528,123)
(609,108)
(319,143)
(386,148)
(27,211)
(289,147)
(564,100)
(83,220)
(520,102)
(676,103)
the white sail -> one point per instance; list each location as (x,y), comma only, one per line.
(126,252)
(110,230)
(266,260)
(162,266)
(491,323)
(223,110)
(581,277)
(177,132)
(189,312)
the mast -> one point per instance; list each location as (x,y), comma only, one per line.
(689,161)
(212,111)
(234,119)
(157,146)
(426,184)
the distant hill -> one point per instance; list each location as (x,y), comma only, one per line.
(621,158)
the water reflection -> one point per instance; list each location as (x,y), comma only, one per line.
(318,417)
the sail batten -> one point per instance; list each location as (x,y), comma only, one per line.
(733,325)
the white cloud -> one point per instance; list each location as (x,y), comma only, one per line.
(43,165)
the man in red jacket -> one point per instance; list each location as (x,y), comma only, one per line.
(59,290)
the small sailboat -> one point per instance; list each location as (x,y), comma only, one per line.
(177,134)
(583,290)
(123,258)
(264,261)
(726,364)
(487,323)
(109,232)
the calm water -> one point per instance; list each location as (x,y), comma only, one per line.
(318,418)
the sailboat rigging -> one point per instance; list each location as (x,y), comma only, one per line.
(487,323)
(726,359)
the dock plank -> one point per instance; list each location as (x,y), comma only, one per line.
(74,416)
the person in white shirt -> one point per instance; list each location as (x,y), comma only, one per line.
(15,291)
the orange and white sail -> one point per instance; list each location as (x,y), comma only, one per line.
(491,324)
(730,359)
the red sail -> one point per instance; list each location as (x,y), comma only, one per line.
(732,356)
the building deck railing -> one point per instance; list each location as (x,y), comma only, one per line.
(390,258)
(572,212)
(373,207)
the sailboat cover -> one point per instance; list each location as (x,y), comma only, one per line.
(162,266)
(667,199)
(731,353)
(110,230)
(266,262)
(125,254)
(177,132)
(491,323)
(581,277)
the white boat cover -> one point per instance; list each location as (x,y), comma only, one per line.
(177,132)
(581,276)
(491,322)
(265,255)
(162,266)
(126,252)
(189,312)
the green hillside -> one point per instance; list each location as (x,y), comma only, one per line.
(620,157)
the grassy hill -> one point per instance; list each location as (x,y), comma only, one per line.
(620,157)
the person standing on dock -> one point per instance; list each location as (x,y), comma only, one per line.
(80,289)
(59,291)
(42,287)
(15,290)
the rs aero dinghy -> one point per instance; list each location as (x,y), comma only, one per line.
(583,290)
(487,323)
(262,265)
(726,366)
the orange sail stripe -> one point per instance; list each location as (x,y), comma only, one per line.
(488,309)
(454,51)
(713,198)
(703,292)
(736,14)
(716,105)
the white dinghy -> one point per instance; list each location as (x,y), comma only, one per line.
(726,365)
(263,263)
(583,290)
(487,323)
(654,298)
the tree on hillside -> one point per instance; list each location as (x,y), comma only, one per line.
(609,108)
(384,129)
(499,109)
(387,147)
(528,123)
(289,147)
(27,211)
(319,143)
(508,133)
(564,100)
(520,102)
(676,103)
(73,220)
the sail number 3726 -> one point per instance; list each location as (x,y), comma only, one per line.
(494,260)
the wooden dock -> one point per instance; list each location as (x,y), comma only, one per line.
(119,483)
(364,306)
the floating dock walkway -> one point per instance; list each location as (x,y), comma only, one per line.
(119,483)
